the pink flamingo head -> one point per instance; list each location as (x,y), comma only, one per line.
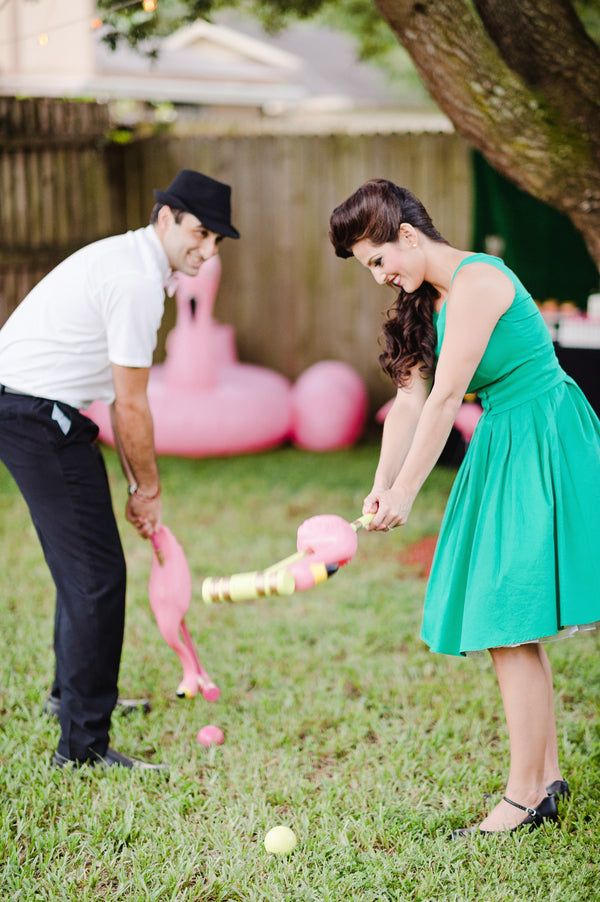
(329,538)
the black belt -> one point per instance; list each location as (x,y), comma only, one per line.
(5,390)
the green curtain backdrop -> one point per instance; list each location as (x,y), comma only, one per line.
(540,244)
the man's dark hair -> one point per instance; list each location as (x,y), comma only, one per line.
(178,214)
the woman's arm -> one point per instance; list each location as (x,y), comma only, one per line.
(479,297)
(399,428)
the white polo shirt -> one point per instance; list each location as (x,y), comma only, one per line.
(101,305)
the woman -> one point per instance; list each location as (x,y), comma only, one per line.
(516,561)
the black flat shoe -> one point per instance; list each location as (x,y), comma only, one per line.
(545,811)
(112,758)
(560,790)
(124,706)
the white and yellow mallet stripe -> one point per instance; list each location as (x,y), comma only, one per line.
(246,586)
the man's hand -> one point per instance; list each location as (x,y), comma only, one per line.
(144,514)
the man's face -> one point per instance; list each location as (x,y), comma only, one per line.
(187,243)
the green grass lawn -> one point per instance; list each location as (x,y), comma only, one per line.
(338,721)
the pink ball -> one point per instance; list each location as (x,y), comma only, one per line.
(210,735)
(329,406)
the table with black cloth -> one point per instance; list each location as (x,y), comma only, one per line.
(577,343)
(583,364)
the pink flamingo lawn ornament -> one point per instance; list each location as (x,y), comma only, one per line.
(170,593)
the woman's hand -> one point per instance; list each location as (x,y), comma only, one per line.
(390,506)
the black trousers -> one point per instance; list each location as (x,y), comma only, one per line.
(50,450)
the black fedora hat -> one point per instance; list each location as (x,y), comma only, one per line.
(205,198)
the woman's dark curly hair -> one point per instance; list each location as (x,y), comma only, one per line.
(376,212)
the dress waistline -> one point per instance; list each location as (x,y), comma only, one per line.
(499,404)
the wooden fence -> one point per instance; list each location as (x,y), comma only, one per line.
(290,300)
(54,188)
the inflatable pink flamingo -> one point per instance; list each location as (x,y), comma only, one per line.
(197,347)
(205,402)
(170,593)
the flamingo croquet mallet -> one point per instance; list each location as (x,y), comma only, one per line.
(325,543)
(170,594)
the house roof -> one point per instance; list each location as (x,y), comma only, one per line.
(305,69)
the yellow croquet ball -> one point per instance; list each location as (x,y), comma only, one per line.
(280,841)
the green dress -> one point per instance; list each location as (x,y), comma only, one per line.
(518,556)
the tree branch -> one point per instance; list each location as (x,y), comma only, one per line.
(524,136)
(545,43)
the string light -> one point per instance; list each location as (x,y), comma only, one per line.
(43,37)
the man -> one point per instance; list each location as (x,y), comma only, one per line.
(87,331)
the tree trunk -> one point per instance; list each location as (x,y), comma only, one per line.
(544,136)
(545,43)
